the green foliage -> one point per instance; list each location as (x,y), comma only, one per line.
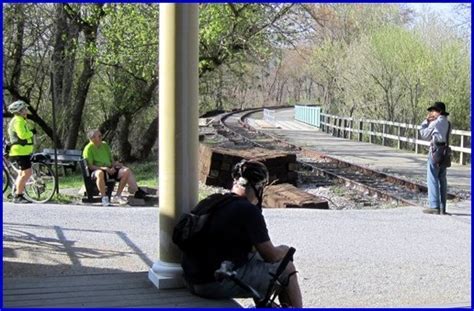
(392,72)
(362,60)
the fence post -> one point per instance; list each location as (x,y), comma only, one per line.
(371,137)
(351,123)
(383,134)
(461,154)
(361,126)
(399,141)
(416,139)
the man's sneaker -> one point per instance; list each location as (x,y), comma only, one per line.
(431,211)
(20,199)
(140,194)
(105,201)
(118,199)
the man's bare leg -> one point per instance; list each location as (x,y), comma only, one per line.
(291,295)
(132,183)
(100,181)
(124,174)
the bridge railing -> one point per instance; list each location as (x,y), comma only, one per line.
(308,114)
(268,114)
(403,135)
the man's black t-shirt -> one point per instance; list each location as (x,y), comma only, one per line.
(231,232)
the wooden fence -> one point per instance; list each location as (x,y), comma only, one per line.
(405,136)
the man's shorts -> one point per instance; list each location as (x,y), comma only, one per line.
(115,176)
(23,161)
(255,273)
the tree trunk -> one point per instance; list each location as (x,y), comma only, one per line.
(18,54)
(63,64)
(108,127)
(75,118)
(124,148)
(79,103)
(63,58)
(148,140)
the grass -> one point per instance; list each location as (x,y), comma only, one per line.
(63,198)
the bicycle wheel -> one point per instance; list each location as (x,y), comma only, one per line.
(41,185)
(6,180)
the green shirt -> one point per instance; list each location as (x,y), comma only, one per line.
(21,137)
(98,156)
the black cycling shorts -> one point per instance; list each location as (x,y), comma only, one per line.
(24,161)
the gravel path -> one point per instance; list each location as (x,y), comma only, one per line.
(346,258)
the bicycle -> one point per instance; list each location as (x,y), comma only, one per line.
(274,287)
(40,187)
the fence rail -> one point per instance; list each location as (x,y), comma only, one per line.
(378,131)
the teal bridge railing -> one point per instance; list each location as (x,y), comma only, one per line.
(308,114)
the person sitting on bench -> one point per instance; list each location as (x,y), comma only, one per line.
(101,165)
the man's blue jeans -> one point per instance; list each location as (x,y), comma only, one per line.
(437,184)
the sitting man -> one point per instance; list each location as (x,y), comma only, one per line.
(234,231)
(101,164)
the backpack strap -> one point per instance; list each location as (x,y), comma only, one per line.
(448,133)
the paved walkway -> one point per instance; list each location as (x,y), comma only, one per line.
(349,258)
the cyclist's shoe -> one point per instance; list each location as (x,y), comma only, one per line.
(20,199)
(105,201)
(140,194)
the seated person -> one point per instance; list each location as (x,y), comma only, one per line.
(235,230)
(100,162)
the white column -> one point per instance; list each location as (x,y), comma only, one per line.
(178,132)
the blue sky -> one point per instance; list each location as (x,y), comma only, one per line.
(443,8)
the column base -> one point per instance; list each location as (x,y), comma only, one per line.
(166,275)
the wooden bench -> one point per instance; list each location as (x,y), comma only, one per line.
(67,158)
(92,195)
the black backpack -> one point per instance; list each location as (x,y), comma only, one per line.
(189,231)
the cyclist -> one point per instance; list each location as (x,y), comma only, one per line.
(101,164)
(21,142)
(234,231)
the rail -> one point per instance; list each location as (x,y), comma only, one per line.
(404,135)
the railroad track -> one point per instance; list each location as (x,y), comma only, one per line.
(234,127)
(324,168)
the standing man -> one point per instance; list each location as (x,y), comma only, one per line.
(101,164)
(21,142)
(237,232)
(435,128)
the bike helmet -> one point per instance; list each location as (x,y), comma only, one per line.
(251,173)
(17,106)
